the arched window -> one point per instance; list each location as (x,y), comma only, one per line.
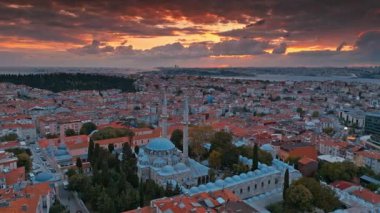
(248,188)
(262,184)
(241,190)
(268,182)
(255,186)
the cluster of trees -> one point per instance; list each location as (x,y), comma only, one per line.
(110,132)
(23,157)
(114,185)
(331,172)
(304,195)
(58,82)
(307,193)
(9,137)
(225,155)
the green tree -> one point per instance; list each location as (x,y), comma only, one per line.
(265,157)
(105,204)
(315,114)
(286,184)
(79,163)
(87,128)
(299,197)
(9,137)
(331,172)
(328,130)
(23,159)
(79,183)
(221,141)
(323,197)
(57,207)
(70,132)
(70,172)
(111,147)
(176,138)
(90,151)
(199,135)
(215,159)
(255,160)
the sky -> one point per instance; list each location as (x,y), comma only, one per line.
(194,33)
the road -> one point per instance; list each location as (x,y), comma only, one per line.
(67,198)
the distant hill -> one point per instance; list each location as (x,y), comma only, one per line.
(58,82)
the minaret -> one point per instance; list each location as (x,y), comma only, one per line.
(164,118)
(186,123)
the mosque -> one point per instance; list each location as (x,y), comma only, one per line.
(162,162)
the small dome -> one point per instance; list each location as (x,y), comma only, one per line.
(202,188)
(210,185)
(158,162)
(236,178)
(167,169)
(243,176)
(180,166)
(194,190)
(160,144)
(229,180)
(250,173)
(43,177)
(219,183)
(267,147)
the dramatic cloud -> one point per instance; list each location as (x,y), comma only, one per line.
(240,47)
(302,29)
(281,49)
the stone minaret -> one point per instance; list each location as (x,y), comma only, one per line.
(186,130)
(164,118)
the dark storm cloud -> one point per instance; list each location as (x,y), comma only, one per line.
(300,19)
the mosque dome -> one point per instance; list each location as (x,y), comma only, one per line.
(160,144)
(43,177)
(159,162)
(219,183)
(267,147)
(180,166)
(228,180)
(194,190)
(167,169)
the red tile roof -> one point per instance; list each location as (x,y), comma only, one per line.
(367,195)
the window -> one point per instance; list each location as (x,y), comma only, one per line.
(241,191)
(275,181)
(249,189)
(255,186)
(262,184)
(268,182)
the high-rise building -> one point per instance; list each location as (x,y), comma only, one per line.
(372,126)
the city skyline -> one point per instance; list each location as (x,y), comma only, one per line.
(147,34)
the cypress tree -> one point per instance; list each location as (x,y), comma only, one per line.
(286,183)
(90,151)
(255,158)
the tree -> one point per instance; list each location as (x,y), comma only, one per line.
(90,151)
(9,137)
(23,159)
(255,160)
(328,130)
(199,135)
(323,197)
(57,207)
(265,157)
(315,114)
(286,183)
(111,147)
(105,204)
(221,141)
(70,132)
(70,172)
(87,128)
(299,197)
(79,163)
(215,159)
(331,172)
(176,138)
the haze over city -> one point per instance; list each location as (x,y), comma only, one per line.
(204,33)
